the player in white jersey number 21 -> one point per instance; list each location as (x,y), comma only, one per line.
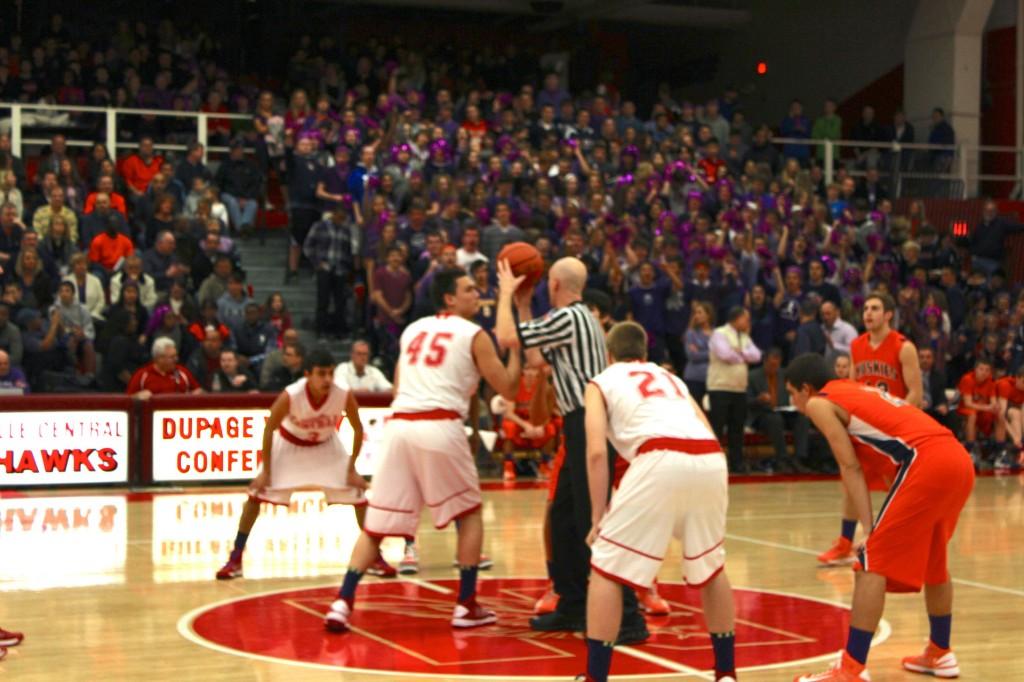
(425,458)
(676,485)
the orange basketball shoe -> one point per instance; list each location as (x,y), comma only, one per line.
(510,470)
(934,661)
(839,554)
(846,669)
(652,603)
(547,603)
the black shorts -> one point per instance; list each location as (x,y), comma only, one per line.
(300,221)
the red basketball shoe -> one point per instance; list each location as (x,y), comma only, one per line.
(336,619)
(934,661)
(846,669)
(381,568)
(839,554)
(510,470)
(231,570)
(470,615)
(8,638)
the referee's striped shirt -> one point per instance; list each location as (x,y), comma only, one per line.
(572,342)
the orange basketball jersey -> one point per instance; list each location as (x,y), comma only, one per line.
(879,367)
(887,433)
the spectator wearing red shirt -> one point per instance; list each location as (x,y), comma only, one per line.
(1010,397)
(109,247)
(474,125)
(218,129)
(139,168)
(978,403)
(105,185)
(712,165)
(162,375)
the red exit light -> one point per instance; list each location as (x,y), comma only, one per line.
(762,68)
(960,228)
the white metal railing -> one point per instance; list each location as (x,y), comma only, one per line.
(18,140)
(965,166)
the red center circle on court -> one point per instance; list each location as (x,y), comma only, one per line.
(402,627)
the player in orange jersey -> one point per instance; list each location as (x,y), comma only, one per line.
(906,544)
(978,408)
(883,358)
(520,431)
(1010,396)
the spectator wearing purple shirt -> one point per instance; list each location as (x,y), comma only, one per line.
(647,304)
(11,378)
(796,126)
(552,95)
(392,296)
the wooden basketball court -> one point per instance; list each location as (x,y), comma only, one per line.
(110,586)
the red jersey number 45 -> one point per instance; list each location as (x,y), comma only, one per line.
(436,349)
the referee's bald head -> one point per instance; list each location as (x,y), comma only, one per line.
(569,275)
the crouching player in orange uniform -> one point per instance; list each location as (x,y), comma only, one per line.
(521,432)
(676,485)
(906,546)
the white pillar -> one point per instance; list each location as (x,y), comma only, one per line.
(942,67)
(112,134)
(16,130)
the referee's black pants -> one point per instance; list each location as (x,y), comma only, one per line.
(570,523)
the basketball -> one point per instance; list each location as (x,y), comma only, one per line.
(524,260)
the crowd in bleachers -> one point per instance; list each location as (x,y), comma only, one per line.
(395,162)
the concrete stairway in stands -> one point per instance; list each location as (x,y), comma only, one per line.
(264,260)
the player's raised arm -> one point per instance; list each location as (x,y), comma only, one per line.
(912,374)
(823,414)
(596,422)
(504,321)
(278,411)
(504,379)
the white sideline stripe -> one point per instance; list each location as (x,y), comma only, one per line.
(663,662)
(802,550)
(426,584)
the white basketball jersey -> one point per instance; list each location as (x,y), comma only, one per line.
(436,370)
(314,422)
(644,401)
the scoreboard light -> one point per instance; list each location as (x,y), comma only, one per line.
(762,68)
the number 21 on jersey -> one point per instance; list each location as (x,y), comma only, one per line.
(437,349)
(654,384)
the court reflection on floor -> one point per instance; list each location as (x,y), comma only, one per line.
(40,537)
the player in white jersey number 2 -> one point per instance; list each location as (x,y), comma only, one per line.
(425,457)
(302,451)
(676,485)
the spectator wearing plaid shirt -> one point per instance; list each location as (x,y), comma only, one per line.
(328,247)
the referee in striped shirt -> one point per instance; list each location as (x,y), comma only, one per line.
(571,340)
